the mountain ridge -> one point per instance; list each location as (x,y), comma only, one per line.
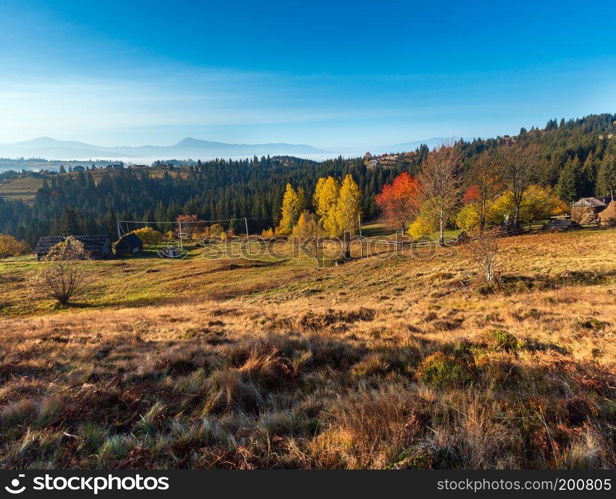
(189,147)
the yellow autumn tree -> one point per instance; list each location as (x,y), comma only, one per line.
(347,211)
(324,200)
(9,246)
(538,203)
(306,226)
(422,226)
(290,211)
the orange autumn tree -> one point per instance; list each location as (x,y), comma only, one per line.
(400,200)
(472,195)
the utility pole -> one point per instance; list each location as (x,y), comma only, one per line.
(246,225)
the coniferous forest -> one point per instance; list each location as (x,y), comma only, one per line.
(574,161)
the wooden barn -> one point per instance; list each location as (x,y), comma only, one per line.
(129,244)
(97,246)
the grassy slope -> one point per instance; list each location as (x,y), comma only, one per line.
(20,188)
(376,363)
(24,188)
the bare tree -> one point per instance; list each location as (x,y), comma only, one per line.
(62,277)
(440,185)
(485,176)
(484,250)
(518,165)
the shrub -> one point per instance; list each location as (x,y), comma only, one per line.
(421,227)
(504,340)
(440,370)
(9,246)
(63,278)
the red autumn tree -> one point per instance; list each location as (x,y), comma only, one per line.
(472,194)
(400,200)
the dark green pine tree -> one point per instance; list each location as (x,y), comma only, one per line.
(569,181)
(109,225)
(69,222)
(606,177)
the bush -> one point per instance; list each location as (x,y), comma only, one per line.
(440,370)
(9,246)
(63,278)
(504,340)
(421,227)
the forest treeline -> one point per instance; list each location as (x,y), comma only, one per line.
(574,160)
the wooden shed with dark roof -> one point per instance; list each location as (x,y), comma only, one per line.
(97,246)
(129,244)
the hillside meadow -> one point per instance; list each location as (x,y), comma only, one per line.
(274,363)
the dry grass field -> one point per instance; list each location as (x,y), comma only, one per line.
(20,188)
(376,363)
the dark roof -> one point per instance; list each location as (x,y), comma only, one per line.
(592,202)
(45,243)
(129,242)
(91,243)
(561,224)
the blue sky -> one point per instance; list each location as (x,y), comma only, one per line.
(331,73)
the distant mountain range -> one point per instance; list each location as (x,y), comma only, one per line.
(52,149)
(190,148)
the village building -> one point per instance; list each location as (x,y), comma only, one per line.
(97,247)
(586,211)
(129,244)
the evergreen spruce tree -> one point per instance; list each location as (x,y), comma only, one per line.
(69,222)
(569,181)
(606,178)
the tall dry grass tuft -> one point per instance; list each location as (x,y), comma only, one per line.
(369,429)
